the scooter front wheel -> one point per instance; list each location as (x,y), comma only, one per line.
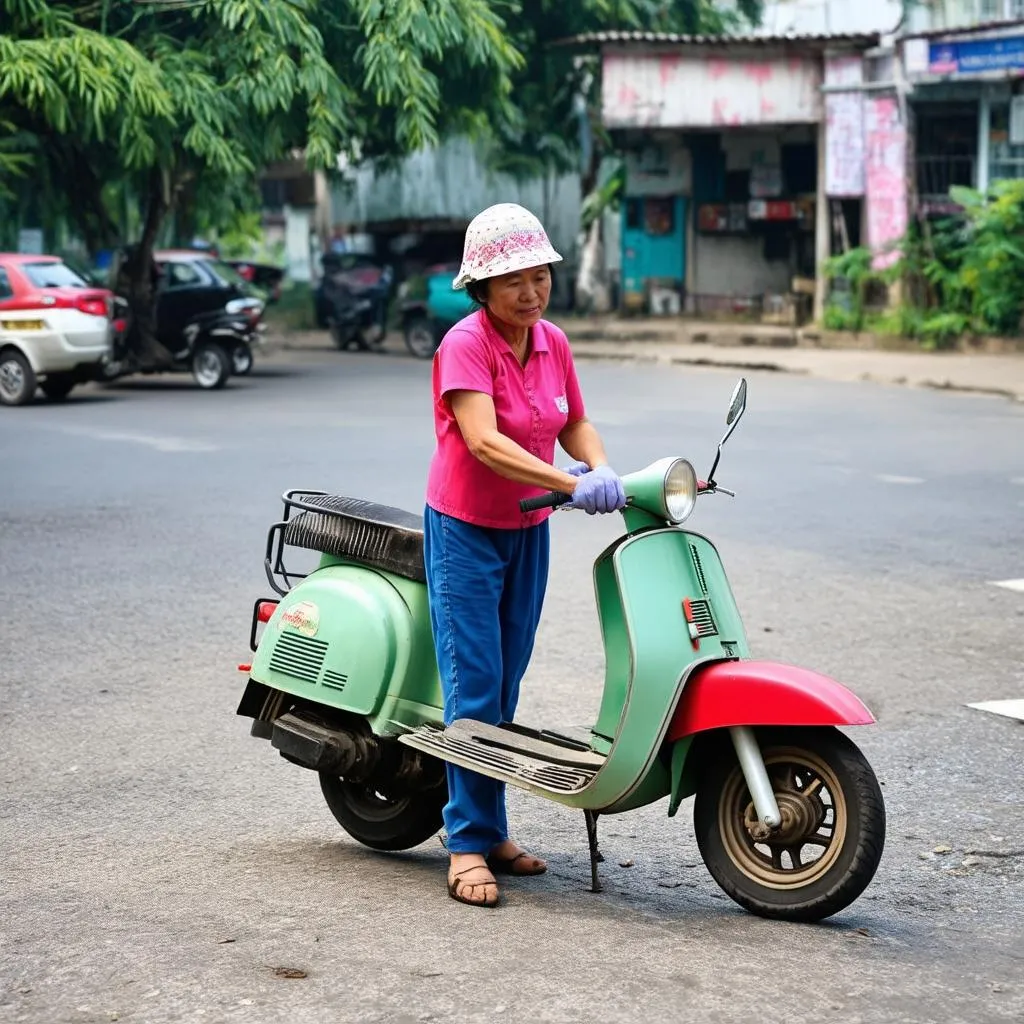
(380,821)
(828,847)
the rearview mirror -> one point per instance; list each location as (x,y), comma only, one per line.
(738,405)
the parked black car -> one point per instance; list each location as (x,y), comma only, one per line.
(207,316)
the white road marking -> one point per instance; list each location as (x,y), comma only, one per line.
(160,444)
(1007,708)
(1017,585)
(887,478)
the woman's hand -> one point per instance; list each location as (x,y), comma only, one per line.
(600,490)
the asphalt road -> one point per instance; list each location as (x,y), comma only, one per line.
(157,863)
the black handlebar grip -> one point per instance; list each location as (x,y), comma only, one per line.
(550,500)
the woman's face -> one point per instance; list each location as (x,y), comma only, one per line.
(520,298)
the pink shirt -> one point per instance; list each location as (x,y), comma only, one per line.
(532,403)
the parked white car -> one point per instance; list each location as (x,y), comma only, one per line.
(55,328)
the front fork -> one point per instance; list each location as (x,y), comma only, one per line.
(756,775)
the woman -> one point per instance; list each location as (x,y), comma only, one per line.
(505,390)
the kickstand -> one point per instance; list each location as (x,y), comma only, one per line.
(595,853)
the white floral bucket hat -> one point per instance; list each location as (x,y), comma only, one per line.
(501,240)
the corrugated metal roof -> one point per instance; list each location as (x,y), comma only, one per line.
(673,38)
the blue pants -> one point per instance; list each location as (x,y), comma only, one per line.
(486,589)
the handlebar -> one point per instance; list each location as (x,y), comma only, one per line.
(553,499)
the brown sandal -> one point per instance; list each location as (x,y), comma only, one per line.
(507,865)
(456,885)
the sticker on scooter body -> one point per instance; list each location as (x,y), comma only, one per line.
(304,618)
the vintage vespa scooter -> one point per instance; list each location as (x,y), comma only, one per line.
(788,814)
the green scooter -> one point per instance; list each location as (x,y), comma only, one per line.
(789,817)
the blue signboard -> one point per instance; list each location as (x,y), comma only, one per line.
(976,55)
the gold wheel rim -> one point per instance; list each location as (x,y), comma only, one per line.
(814,818)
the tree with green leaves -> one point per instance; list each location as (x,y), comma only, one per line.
(180,103)
(182,99)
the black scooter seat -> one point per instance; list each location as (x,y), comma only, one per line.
(360,531)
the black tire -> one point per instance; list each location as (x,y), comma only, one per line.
(57,388)
(109,372)
(755,874)
(241,359)
(420,337)
(371,339)
(342,340)
(382,823)
(211,366)
(17,378)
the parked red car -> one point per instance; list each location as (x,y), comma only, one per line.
(55,328)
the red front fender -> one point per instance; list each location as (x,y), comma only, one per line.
(728,693)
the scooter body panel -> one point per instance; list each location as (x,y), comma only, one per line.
(642,582)
(357,640)
(726,694)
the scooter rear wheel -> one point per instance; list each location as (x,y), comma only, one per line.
(382,822)
(830,843)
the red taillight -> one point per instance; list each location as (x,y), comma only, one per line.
(93,305)
(265,611)
(120,326)
(245,668)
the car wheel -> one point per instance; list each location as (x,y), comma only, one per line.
(211,366)
(241,360)
(57,388)
(420,338)
(17,378)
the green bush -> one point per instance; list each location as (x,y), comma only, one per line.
(963,274)
(293,311)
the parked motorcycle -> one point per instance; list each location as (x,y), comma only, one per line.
(212,345)
(357,310)
(789,817)
(428,314)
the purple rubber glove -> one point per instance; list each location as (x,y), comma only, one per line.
(577,469)
(600,490)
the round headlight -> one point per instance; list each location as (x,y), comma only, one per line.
(680,491)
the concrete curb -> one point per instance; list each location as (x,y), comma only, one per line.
(992,376)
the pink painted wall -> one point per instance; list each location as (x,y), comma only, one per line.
(885,175)
(671,90)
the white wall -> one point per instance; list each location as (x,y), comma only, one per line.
(829,16)
(961,13)
(735,265)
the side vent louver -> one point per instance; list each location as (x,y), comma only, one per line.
(298,656)
(699,568)
(703,619)
(334,680)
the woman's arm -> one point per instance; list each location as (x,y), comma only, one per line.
(582,441)
(474,412)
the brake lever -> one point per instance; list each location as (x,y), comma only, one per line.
(712,488)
